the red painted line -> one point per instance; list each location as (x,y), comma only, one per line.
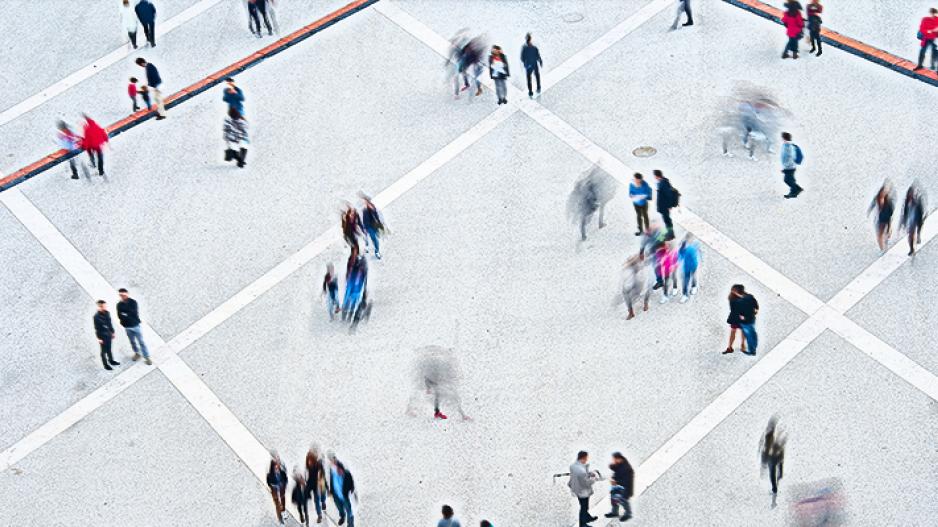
(193,89)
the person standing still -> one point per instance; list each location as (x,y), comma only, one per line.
(667,200)
(814,25)
(927,31)
(531,58)
(146,13)
(129,22)
(581,485)
(498,71)
(640,192)
(104,330)
(683,6)
(448,519)
(153,84)
(791,158)
(745,306)
(277,483)
(128,314)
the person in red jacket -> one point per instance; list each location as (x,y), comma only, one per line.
(93,140)
(927,31)
(794,28)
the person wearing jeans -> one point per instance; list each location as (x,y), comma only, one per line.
(640,192)
(498,71)
(316,478)
(104,331)
(531,58)
(927,31)
(623,480)
(342,486)
(747,308)
(129,315)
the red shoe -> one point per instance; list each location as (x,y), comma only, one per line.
(439,415)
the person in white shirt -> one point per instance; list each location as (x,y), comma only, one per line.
(129,22)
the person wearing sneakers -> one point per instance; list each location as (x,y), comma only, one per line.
(129,316)
(531,58)
(689,259)
(794,29)
(153,86)
(104,331)
(683,6)
(498,71)
(791,158)
(622,483)
(666,260)
(640,192)
(927,31)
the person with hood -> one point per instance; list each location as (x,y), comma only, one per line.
(621,486)
(129,22)
(581,485)
(531,58)
(146,13)
(68,141)
(498,71)
(93,139)
(342,487)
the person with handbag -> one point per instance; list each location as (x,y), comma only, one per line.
(927,31)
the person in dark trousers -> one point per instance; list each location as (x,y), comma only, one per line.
(884,203)
(342,487)
(233,96)
(814,25)
(683,6)
(448,519)
(330,289)
(743,311)
(640,192)
(772,453)
(316,480)
(927,32)
(153,86)
(531,58)
(129,316)
(104,330)
(667,200)
(794,29)
(622,485)
(146,12)
(300,497)
(93,139)
(791,158)
(581,485)
(132,92)
(373,223)
(70,142)
(498,71)
(352,226)
(235,132)
(913,216)
(257,9)
(277,483)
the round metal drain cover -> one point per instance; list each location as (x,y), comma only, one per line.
(644,151)
(572,18)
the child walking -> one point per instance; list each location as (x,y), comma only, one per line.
(132,92)
(330,287)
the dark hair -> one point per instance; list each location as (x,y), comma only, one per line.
(133,79)
(739,288)
(234,113)
(527,38)
(229,79)
(933,11)
(638,176)
(140,61)
(100,302)
(485,523)
(447,512)
(786,136)
(618,455)
(581,454)
(658,173)
(122,290)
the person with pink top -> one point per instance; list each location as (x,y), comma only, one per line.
(666,260)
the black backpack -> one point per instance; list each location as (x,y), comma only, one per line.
(675,198)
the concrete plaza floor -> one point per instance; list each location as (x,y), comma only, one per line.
(481,258)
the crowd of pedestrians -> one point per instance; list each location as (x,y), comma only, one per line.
(316,479)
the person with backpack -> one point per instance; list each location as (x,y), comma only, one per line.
(668,198)
(448,518)
(791,158)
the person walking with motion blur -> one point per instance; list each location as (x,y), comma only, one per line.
(146,13)
(913,216)
(814,25)
(356,281)
(581,485)
(622,485)
(743,311)
(591,192)
(257,9)
(531,58)
(277,483)
(884,205)
(772,453)
(794,29)
(498,71)
(129,22)
(791,158)
(666,260)
(93,139)
(235,132)
(683,6)
(640,192)
(128,313)
(668,198)
(352,226)
(330,289)
(67,140)
(316,480)
(634,285)
(342,487)
(300,496)
(104,330)
(449,519)
(927,32)
(153,83)
(688,262)
(372,222)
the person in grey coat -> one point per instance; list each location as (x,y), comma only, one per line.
(581,485)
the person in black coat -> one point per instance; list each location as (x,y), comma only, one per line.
(531,58)
(104,330)
(623,484)
(300,497)
(277,483)
(667,200)
(146,12)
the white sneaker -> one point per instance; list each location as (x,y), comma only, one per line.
(683,299)
(664,299)
(674,292)
(693,290)
(728,154)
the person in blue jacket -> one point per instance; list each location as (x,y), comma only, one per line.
(640,192)
(146,12)
(689,261)
(233,96)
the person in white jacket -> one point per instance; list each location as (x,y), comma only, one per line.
(581,485)
(129,22)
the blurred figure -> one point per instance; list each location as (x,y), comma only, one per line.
(666,260)
(927,32)
(621,486)
(104,330)
(668,198)
(455,62)
(146,13)
(316,480)
(742,317)
(651,240)
(129,22)
(235,132)
(330,288)
(772,453)
(145,95)
(640,193)
(472,56)
(634,285)
(342,487)
(352,226)
(93,139)
(754,116)
(355,305)
(257,9)
(436,374)
(884,204)
(498,71)
(590,194)
(581,485)
(818,504)
(913,215)
(277,483)
(791,158)
(814,25)
(372,222)
(300,496)
(68,141)
(688,262)
(448,519)
(683,6)
(531,59)
(153,86)
(794,29)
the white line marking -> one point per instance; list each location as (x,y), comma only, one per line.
(104,62)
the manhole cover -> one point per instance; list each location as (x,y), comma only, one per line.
(644,151)
(572,18)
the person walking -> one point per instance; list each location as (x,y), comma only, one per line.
(129,22)
(372,222)
(352,227)
(743,311)
(666,260)
(913,216)
(257,9)
(640,192)
(621,486)
(277,483)
(683,6)
(581,485)
(884,204)
(153,86)
(791,158)
(146,13)
(688,261)
(668,198)
(634,285)
(927,32)
(104,330)
(68,141)
(531,58)
(132,93)
(498,71)
(448,519)
(794,28)
(233,96)
(128,314)
(342,487)
(772,453)
(814,25)
(330,289)
(316,479)
(235,132)
(300,497)
(93,139)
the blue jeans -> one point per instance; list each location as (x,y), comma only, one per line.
(690,277)
(319,498)
(752,338)
(345,508)
(136,341)
(373,234)
(617,497)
